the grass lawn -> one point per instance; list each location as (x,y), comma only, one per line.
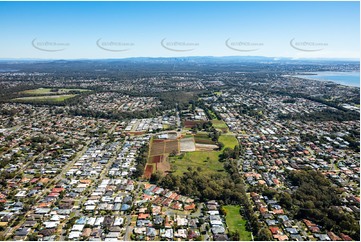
(42,91)
(220,125)
(198,159)
(187,135)
(229,141)
(212,114)
(218,93)
(236,222)
(46,91)
(55,98)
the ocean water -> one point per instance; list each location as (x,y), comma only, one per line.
(343,78)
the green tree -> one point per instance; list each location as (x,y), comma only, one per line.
(264,234)
(234,235)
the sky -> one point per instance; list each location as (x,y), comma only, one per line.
(98,30)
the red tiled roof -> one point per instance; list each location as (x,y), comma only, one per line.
(280,237)
(147,185)
(274,230)
(143,216)
(57,190)
(333,236)
(45,180)
(314,229)
(53,194)
(345,237)
(263,209)
(44,205)
(147,197)
(308,223)
(174,195)
(34,180)
(190,206)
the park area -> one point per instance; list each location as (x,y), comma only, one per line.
(207,161)
(198,151)
(39,99)
(220,125)
(236,222)
(204,159)
(48,95)
(50,91)
(228,140)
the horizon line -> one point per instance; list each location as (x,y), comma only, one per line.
(200,56)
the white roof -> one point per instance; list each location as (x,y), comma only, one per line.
(55,218)
(118,221)
(78,227)
(74,234)
(90,207)
(50,225)
(91,221)
(216,222)
(82,185)
(99,221)
(213,212)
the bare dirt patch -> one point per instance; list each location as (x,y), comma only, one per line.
(157,148)
(171,146)
(164,166)
(192,123)
(187,144)
(156,159)
(206,147)
(158,155)
(148,171)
